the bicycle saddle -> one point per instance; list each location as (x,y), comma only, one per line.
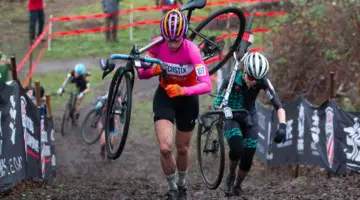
(193,4)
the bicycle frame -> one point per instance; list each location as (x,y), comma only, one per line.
(135,52)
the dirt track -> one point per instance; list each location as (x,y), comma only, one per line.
(81,174)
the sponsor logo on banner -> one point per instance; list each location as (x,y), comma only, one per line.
(261,120)
(28,127)
(329,130)
(353,141)
(10,166)
(13,119)
(315,132)
(301,127)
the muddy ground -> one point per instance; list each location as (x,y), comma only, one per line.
(137,174)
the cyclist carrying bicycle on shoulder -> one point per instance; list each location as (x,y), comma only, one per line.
(176,102)
(242,138)
(79,77)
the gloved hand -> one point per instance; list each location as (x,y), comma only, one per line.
(280,134)
(60,91)
(156,70)
(174,90)
(80,95)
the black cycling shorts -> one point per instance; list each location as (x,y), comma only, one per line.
(184,110)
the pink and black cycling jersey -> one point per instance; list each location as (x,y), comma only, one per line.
(185,67)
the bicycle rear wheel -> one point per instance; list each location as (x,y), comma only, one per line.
(66,119)
(210,143)
(90,128)
(215,26)
(118,113)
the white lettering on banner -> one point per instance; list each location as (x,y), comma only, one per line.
(301,121)
(353,139)
(46,150)
(261,136)
(288,141)
(52,135)
(44,137)
(27,122)
(23,116)
(28,127)
(13,133)
(53,160)
(329,130)
(315,132)
(32,142)
(269,154)
(10,166)
(179,70)
(261,120)
(13,119)
(260,148)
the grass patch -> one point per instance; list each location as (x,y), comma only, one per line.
(52,81)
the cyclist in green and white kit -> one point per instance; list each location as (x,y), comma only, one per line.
(241,137)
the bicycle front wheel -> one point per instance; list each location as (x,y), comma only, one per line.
(118,113)
(210,146)
(92,127)
(225,27)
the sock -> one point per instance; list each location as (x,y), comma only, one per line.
(171,179)
(181,178)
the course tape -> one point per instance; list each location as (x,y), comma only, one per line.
(33,67)
(33,46)
(153,8)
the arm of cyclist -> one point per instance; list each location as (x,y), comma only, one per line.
(68,77)
(281,115)
(220,95)
(87,90)
(202,75)
(148,70)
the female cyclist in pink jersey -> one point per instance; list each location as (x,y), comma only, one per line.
(177,101)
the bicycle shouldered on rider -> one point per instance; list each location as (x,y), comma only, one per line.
(178,102)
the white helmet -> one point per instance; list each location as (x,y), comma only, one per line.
(256,65)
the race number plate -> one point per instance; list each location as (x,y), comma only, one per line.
(228,113)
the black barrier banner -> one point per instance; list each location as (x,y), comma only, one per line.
(47,149)
(30,116)
(324,135)
(264,127)
(285,153)
(26,139)
(12,149)
(349,127)
(309,128)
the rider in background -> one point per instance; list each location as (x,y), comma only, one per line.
(167,3)
(176,102)
(242,137)
(79,77)
(101,104)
